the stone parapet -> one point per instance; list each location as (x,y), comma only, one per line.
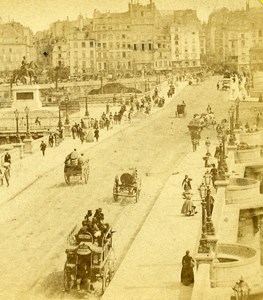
(242,190)
(234,261)
(247,155)
(251,138)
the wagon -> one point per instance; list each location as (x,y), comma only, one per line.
(75,174)
(88,265)
(128,186)
(180,111)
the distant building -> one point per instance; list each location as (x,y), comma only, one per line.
(16,41)
(82,54)
(185,40)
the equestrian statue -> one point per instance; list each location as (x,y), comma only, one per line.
(26,74)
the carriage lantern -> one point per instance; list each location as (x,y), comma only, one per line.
(207,178)
(202,191)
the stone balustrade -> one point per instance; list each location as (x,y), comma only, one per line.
(242,190)
(235,260)
(247,155)
(251,138)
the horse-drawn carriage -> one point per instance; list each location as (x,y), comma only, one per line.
(89,265)
(180,111)
(74,171)
(127,186)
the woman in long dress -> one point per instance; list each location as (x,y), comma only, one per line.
(187,272)
(188,208)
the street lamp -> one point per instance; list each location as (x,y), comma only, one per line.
(209,224)
(28,136)
(66,101)
(17,129)
(237,113)
(59,117)
(86,107)
(231,117)
(203,246)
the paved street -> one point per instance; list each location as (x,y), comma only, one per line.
(35,224)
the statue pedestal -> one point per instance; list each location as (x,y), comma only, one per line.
(28,145)
(67,130)
(26,96)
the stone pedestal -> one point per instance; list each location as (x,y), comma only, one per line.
(28,145)
(67,130)
(26,96)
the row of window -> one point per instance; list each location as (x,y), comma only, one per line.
(112,27)
(164,64)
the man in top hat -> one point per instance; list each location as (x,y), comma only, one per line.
(241,289)
(7,157)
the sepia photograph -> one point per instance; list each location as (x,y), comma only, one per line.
(131,149)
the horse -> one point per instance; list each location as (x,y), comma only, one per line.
(26,74)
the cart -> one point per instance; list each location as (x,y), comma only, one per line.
(76,173)
(180,111)
(89,266)
(128,186)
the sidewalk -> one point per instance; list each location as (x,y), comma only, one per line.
(151,269)
(24,172)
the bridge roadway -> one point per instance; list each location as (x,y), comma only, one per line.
(35,224)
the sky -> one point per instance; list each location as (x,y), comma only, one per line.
(38,14)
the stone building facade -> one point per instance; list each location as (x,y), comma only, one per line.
(185,40)
(16,41)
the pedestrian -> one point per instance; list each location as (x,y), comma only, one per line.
(260,99)
(187,273)
(84,163)
(7,157)
(7,173)
(213,173)
(115,118)
(107,123)
(43,147)
(188,208)
(96,134)
(51,140)
(209,203)
(186,184)
(208,109)
(258,115)
(217,86)
(114,99)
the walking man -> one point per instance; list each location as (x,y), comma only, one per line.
(7,157)
(7,173)
(97,134)
(43,147)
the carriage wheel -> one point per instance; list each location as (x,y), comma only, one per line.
(86,176)
(111,263)
(67,178)
(67,279)
(104,278)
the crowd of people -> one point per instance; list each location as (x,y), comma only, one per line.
(93,224)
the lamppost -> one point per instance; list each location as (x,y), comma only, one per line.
(237,113)
(231,117)
(86,107)
(208,199)
(28,135)
(66,101)
(17,129)
(203,246)
(59,117)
